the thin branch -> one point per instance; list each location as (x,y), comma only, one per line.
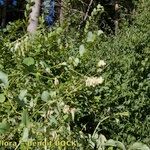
(87,12)
(88,9)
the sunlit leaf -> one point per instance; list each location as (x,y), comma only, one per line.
(110,143)
(53,94)
(2,98)
(4,78)
(139,146)
(4,126)
(76,62)
(100,142)
(45,96)
(53,120)
(81,50)
(113,143)
(22,94)
(90,37)
(28,61)
(25,134)
(1,66)
(126,114)
(25,118)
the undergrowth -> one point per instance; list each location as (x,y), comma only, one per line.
(72,89)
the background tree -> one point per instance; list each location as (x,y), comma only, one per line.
(34,16)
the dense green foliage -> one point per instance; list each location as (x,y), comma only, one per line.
(67,85)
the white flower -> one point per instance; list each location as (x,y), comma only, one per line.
(72,111)
(48,70)
(61,104)
(101,63)
(56,81)
(99,70)
(50,112)
(66,109)
(93,81)
(116,7)
(99,32)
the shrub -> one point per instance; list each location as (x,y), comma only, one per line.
(59,85)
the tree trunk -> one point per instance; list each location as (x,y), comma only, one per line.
(33,18)
(59,10)
(3,23)
(116,15)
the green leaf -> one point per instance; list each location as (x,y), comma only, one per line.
(59,30)
(4,126)
(53,120)
(81,50)
(76,62)
(90,37)
(4,78)
(2,98)
(123,114)
(120,145)
(22,94)
(28,61)
(65,117)
(25,134)
(101,141)
(53,94)
(139,146)
(113,143)
(45,96)
(28,7)
(25,118)
(1,66)
(110,143)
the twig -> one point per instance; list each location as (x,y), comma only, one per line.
(87,12)
(88,9)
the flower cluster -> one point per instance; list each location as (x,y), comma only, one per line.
(67,109)
(100,66)
(93,81)
(101,63)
